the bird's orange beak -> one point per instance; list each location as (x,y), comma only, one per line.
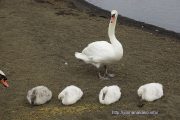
(112,19)
(4,82)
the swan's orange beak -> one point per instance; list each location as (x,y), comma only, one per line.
(112,18)
(4,82)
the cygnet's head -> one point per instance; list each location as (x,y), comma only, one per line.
(62,95)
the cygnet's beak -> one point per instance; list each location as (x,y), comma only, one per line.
(4,82)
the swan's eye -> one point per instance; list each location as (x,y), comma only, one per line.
(113,15)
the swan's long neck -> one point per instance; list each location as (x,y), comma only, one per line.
(111,33)
(115,43)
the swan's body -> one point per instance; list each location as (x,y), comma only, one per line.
(102,52)
(70,95)
(98,53)
(3,79)
(150,92)
(109,95)
(39,95)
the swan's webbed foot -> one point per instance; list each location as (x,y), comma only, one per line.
(104,77)
(110,75)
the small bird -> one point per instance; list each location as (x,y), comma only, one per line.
(150,92)
(102,53)
(39,95)
(70,95)
(109,94)
(3,79)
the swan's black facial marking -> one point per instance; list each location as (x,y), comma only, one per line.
(113,15)
(2,77)
(112,18)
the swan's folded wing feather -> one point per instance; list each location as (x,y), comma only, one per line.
(100,50)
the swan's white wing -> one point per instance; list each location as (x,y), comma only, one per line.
(100,51)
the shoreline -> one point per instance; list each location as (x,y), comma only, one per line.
(97,11)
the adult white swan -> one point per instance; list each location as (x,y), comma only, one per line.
(102,52)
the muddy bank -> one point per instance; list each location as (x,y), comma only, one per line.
(38,38)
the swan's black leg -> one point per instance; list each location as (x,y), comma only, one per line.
(108,74)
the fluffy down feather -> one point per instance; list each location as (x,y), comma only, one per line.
(150,92)
(39,95)
(70,95)
(109,94)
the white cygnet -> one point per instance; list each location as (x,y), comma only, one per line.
(150,92)
(39,95)
(70,95)
(109,94)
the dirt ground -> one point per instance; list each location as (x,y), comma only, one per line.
(38,38)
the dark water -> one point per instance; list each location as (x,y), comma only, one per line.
(162,13)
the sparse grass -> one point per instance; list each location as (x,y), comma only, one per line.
(64,110)
(52,111)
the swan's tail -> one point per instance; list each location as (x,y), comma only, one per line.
(81,56)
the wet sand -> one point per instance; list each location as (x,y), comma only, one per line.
(38,38)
